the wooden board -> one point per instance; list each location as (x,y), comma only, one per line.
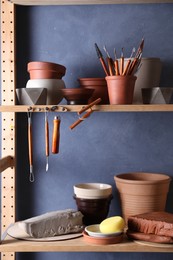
(85,2)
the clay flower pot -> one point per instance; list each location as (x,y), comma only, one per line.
(45,70)
(100,88)
(120,89)
(142,192)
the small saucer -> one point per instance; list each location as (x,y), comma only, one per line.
(103,240)
(94,231)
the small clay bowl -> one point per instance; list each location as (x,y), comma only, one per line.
(77,96)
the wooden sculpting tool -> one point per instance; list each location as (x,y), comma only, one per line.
(116,64)
(122,62)
(56,135)
(47,139)
(81,119)
(125,72)
(100,56)
(137,58)
(30,148)
(109,61)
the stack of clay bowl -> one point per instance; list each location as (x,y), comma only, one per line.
(47,75)
(93,200)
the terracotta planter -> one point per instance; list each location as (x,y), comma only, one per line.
(142,192)
(120,89)
(100,88)
(45,70)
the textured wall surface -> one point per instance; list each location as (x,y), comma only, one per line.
(107,143)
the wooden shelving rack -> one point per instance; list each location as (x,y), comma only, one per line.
(8,108)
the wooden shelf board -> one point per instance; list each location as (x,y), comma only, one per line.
(85,2)
(76,245)
(97,108)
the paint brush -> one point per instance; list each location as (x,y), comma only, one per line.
(100,56)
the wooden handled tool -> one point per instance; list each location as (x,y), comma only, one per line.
(56,135)
(47,140)
(30,149)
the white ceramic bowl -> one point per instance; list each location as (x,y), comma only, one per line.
(53,86)
(94,231)
(92,190)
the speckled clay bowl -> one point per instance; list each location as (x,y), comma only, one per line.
(92,190)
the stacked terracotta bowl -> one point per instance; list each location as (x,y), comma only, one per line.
(47,75)
(93,200)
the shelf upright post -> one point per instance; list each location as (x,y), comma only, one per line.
(7,119)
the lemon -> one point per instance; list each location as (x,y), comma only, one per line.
(112,224)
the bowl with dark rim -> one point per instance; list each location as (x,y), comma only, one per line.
(77,96)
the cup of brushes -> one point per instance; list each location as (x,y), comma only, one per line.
(120,74)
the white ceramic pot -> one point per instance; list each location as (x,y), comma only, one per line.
(148,76)
(53,86)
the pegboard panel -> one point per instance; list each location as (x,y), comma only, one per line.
(8,119)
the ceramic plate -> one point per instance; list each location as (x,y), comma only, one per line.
(16,232)
(94,231)
(145,243)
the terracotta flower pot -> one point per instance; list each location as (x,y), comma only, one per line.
(45,70)
(142,192)
(121,89)
(100,88)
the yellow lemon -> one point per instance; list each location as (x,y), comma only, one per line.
(112,224)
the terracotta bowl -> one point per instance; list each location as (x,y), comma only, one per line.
(77,96)
(92,190)
(94,210)
(100,88)
(45,70)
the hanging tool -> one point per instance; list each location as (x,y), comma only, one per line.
(47,138)
(31,176)
(56,135)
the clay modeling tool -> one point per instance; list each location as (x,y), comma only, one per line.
(137,58)
(31,176)
(100,56)
(81,119)
(56,135)
(122,62)
(109,61)
(125,72)
(47,139)
(116,64)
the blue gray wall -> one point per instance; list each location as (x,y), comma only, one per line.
(107,143)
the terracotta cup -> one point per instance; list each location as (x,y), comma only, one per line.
(142,192)
(120,89)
